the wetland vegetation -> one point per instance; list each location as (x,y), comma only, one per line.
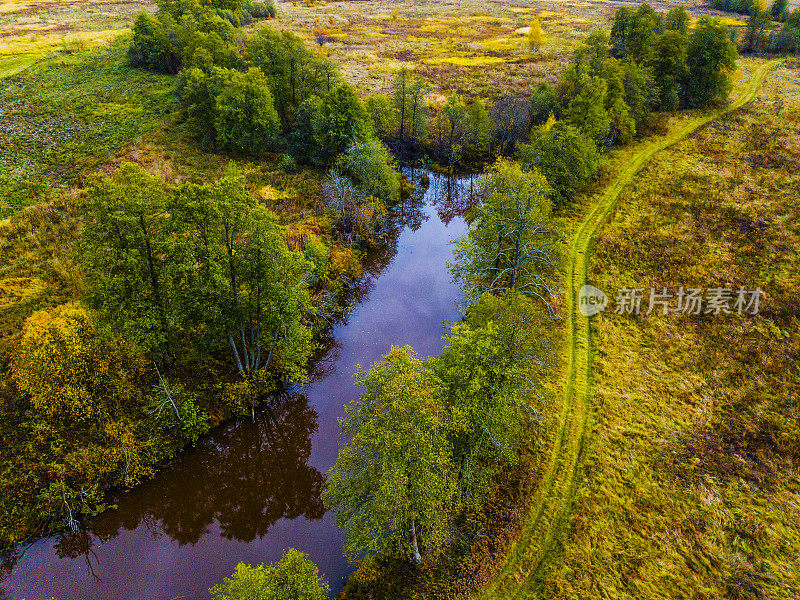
(197,196)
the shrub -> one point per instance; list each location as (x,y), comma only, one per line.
(371,168)
(69,370)
(294,576)
(262,10)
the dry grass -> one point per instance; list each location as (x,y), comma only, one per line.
(691,486)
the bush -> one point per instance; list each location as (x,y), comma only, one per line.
(294,576)
(371,168)
(262,10)
(70,371)
(230,16)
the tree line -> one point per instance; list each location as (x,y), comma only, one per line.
(775,30)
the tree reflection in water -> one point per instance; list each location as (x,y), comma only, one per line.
(244,478)
(454,196)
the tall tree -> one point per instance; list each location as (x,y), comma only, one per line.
(668,62)
(491,383)
(392,485)
(245,118)
(127,253)
(711,61)
(245,285)
(400,98)
(509,245)
(566,158)
(586,111)
(343,120)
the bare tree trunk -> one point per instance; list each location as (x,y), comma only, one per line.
(414,547)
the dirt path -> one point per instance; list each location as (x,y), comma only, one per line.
(546,525)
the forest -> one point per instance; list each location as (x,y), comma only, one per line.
(194,209)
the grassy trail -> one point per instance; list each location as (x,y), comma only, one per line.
(549,517)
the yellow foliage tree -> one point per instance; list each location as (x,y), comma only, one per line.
(535,35)
(69,371)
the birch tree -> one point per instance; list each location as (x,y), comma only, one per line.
(392,484)
(509,245)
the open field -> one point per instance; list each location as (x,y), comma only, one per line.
(68,115)
(472,47)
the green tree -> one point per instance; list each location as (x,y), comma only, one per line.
(669,67)
(392,485)
(509,245)
(449,129)
(400,98)
(490,376)
(640,92)
(595,50)
(586,111)
(478,134)
(543,103)
(243,283)
(127,254)
(633,32)
(417,121)
(644,29)
(294,73)
(566,158)
(305,137)
(711,61)
(384,117)
(677,19)
(151,47)
(755,36)
(623,22)
(344,120)
(229,109)
(294,577)
(371,168)
(245,119)
(778,9)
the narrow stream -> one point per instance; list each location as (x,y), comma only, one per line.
(250,490)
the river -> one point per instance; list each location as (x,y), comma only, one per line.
(249,490)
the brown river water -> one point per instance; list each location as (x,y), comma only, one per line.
(250,490)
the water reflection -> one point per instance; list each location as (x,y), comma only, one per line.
(453,196)
(244,478)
